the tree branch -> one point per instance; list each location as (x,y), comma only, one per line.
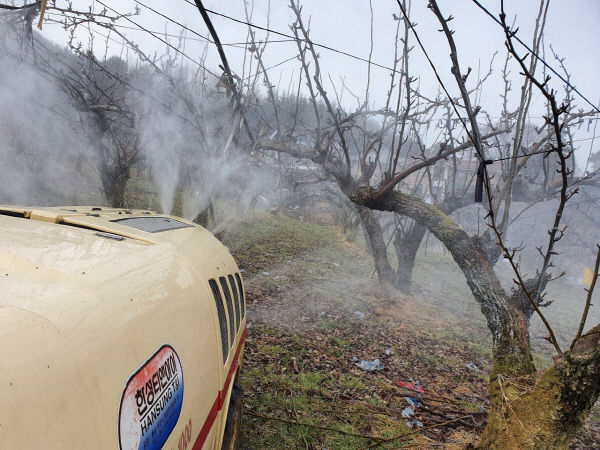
(588,300)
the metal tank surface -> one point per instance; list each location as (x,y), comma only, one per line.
(119,329)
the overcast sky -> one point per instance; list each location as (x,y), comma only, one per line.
(572,30)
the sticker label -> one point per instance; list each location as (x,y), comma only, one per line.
(151,402)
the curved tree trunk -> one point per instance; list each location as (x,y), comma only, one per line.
(509,331)
(407,245)
(525,412)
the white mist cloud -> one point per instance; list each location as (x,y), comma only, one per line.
(44,160)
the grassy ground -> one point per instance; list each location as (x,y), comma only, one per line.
(314,309)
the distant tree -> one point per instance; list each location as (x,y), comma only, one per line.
(595,161)
(99,93)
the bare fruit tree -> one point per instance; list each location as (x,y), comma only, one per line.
(97,90)
(529,410)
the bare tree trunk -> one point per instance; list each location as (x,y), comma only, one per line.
(507,324)
(351,225)
(547,412)
(205,217)
(525,412)
(114,185)
(407,246)
(375,239)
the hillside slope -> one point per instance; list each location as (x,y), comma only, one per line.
(315,311)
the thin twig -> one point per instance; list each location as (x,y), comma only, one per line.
(397,412)
(588,301)
(436,398)
(400,436)
(554,121)
(507,401)
(302,424)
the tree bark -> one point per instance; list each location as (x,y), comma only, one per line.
(509,331)
(525,412)
(351,226)
(377,244)
(407,246)
(114,184)
(547,413)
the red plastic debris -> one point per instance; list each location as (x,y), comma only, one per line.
(402,384)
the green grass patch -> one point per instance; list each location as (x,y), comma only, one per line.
(265,240)
(341,402)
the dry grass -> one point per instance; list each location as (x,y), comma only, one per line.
(313,306)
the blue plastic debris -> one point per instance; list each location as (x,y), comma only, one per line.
(414,402)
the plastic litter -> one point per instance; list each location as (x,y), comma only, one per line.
(403,384)
(266,274)
(389,352)
(408,412)
(413,424)
(414,402)
(472,367)
(368,365)
(359,314)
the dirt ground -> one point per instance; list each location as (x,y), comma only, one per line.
(315,312)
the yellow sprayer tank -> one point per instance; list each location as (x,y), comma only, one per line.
(119,329)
